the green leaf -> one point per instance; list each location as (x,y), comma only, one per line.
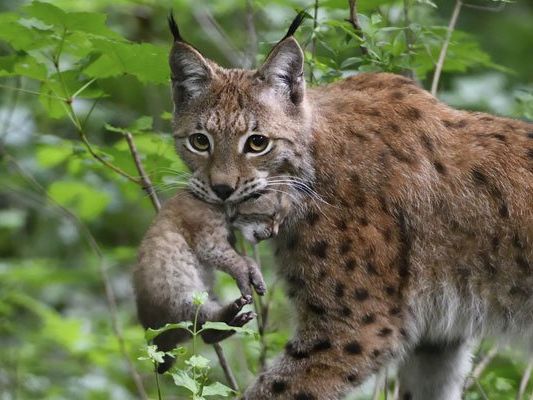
(50,155)
(182,379)
(150,333)
(197,361)
(154,354)
(84,199)
(222,326)
(217,389)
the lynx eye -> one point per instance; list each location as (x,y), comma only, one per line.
(256,144)
(199,142)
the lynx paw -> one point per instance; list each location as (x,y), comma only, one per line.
(242,319)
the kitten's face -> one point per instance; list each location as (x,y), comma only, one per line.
(241,133)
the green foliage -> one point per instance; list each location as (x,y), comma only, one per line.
(76,77)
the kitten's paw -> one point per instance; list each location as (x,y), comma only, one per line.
(242,319)
(256,278)
(241,302)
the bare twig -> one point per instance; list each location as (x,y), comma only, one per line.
(525,380)
(445,45)
(313,41)
(482,365)
(252,48)
(211,27)
(91,241)
(354,20)
(225,367)
(498,8)
(408,36)
(146,183)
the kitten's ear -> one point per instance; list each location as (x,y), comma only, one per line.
(190,71)
(284,66)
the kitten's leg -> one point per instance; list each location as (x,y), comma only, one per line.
(230,315)
(243,269)
(435,371)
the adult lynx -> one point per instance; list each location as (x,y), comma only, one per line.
(426,240)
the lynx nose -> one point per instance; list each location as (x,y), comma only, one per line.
(222,191)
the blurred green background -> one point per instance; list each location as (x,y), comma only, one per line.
(79,73)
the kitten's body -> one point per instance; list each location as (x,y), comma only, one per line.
(179,254)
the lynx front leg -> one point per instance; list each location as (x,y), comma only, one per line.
(324,365)
(435,371)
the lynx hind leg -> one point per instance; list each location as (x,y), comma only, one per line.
(230,315)
(435,371)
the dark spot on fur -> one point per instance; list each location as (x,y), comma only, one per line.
(390,290)
(518,291)
(495,242)
(361,294)
(322,345)
(439,167)
(376,353)
(413,113)
(395,311)
(522,263)
(384,332)
(455,124)
(530,153)
(503,211)
(320,249)
(393,127)
(489,265)
(403,332)
(339,289)
(373,112)
(407,396)
(353,348)
(404,256)
(292,351)
(363,221)
(278,387)
(346,311)
(350,264)
(368,319)
(312,218)
(500,137)
(479,176)
(341,225)
(317,309)
(397,95)
(371,268)
(346,246)
(304,396)
(428,143)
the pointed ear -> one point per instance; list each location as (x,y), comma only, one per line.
(284,68)
(190,72)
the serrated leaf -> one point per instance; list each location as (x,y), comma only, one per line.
(182,379)
(199,298)
(155,355)
(197,361)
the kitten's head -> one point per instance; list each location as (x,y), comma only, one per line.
(241,132)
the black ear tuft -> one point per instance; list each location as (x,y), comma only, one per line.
(296,22)
(174,28)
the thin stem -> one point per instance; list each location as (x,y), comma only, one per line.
(313,42)
(354,20)
(525,380)
(225,367)
(158,386)
(32,92)
(262,315)
(482,365)
(408,36)
(251,35)
(445,45)
(146,183)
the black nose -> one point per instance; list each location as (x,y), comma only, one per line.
(222,191)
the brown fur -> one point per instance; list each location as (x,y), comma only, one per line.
(416,237)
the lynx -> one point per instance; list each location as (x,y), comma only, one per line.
(178,254)
(422,241)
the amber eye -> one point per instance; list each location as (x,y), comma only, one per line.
(256,144)
(199,142)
